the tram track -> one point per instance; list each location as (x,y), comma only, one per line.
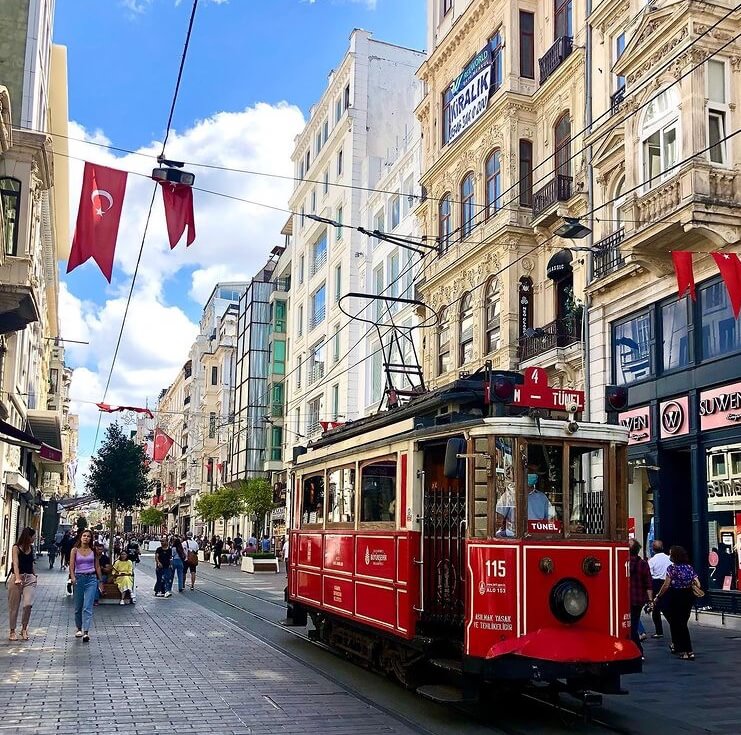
(576,716)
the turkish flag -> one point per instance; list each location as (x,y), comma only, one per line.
(162,444)
(685,275)
(178,201)
(730,269)
(98,217)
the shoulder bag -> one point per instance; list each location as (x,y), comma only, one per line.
(697,590)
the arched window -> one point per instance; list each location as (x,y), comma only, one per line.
(444,223)
(659,133)
(493,310)
(468,205)
(493,171)
(465,330)
(443,341)
(562,147)
(10,199)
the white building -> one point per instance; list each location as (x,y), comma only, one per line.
(364,115)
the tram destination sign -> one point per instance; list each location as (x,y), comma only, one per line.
(536,393)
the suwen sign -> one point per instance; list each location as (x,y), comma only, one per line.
(638,424)
(470,94)
(720,407)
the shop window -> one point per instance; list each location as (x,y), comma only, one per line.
(444,222)
(493,186)
(465,341)
(468,205)
(724,516)
(444,363)
(378,492)
(312,510)
(675,335)
(341,495)
(586,498)
(659,134)
(721,331)
(631,349)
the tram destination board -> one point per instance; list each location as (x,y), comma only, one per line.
(536,393)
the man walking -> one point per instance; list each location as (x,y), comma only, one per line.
(191,557)
(658,565)
(641,590)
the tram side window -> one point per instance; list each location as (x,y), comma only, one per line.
(313,507)
(544,480)
(504,487)
(586,490)
(378,492)
(341,495)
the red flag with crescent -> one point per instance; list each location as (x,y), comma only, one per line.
(685,275)
(729,266)
(178,201)
(162,444)
(98,217)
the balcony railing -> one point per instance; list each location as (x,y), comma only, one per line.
(276,410)
(558,189)
(316,372)
(559,333)
(608,257)
(555,56)
(320,259)
(617,99)
(317,317)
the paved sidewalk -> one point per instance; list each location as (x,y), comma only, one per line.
(148,669)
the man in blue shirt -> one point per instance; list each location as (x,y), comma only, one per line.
(539,507)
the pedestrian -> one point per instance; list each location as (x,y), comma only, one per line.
(86,577)
(163,563)
(191,558)
(52,554)
(678,597)
(285,553)
(122,573)
(640,590)
(658,564)
(218,547)
(179,557)
(65,546)
(22,585)
(265,544)
(252,541)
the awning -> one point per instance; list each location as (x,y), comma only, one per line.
(18,308)
(47,428)
(559,266)
(11,435)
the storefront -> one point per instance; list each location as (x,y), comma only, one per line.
(680,362)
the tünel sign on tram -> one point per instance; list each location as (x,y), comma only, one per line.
(470,94)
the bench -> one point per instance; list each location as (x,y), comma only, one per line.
(252,565)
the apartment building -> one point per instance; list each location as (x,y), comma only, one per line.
(502,122)
(664,91)
(364,113)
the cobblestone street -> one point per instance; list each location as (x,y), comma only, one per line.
(162,666)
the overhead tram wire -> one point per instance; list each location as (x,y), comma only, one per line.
(149,215)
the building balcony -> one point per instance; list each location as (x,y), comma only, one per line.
(283,285)
(558,333)
(316,372)
(558,189)
(19,305)
(317,318)
(608,257)
(555,56)
(319,261)
(276,410)
(616,99)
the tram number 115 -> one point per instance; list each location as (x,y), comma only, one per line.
(496,568)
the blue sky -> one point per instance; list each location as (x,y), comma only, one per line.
(254,69)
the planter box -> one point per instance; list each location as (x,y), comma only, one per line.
(251,565)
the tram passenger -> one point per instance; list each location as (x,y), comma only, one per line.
(506,513)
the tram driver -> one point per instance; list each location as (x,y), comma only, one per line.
(539,506)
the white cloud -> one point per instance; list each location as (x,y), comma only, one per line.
(232,243)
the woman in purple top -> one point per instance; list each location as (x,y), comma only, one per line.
(679,600)
(84,571)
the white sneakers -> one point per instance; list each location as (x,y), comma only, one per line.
(78,634)
(122,603)
(168,594)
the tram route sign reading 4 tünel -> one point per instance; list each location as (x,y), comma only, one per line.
(536,393)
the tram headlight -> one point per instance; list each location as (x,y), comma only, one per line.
(569,600)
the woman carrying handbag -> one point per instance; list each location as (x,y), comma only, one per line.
(678,594)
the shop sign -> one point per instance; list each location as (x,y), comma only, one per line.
(724,494)
(536,393)
(674,417)
(720,407)
(638,424)
(526,304)
(470,94)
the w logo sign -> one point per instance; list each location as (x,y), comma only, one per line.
(672,417)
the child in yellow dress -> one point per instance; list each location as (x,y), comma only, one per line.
(123,575)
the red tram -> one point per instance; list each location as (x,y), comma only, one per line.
(494,549)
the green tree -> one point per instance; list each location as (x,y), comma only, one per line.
(205,507)
(258,498)
(118,473)
(81,523)
(151,517)
(228,503)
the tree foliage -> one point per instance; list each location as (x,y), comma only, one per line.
(228,503)
(151,516)
(205,507)
(258,496)
(118,473)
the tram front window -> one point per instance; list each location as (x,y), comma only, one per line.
(313,506)
(378,492)
(544,485)
(504,486)
(586,490)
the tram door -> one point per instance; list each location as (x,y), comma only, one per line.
(443,541)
